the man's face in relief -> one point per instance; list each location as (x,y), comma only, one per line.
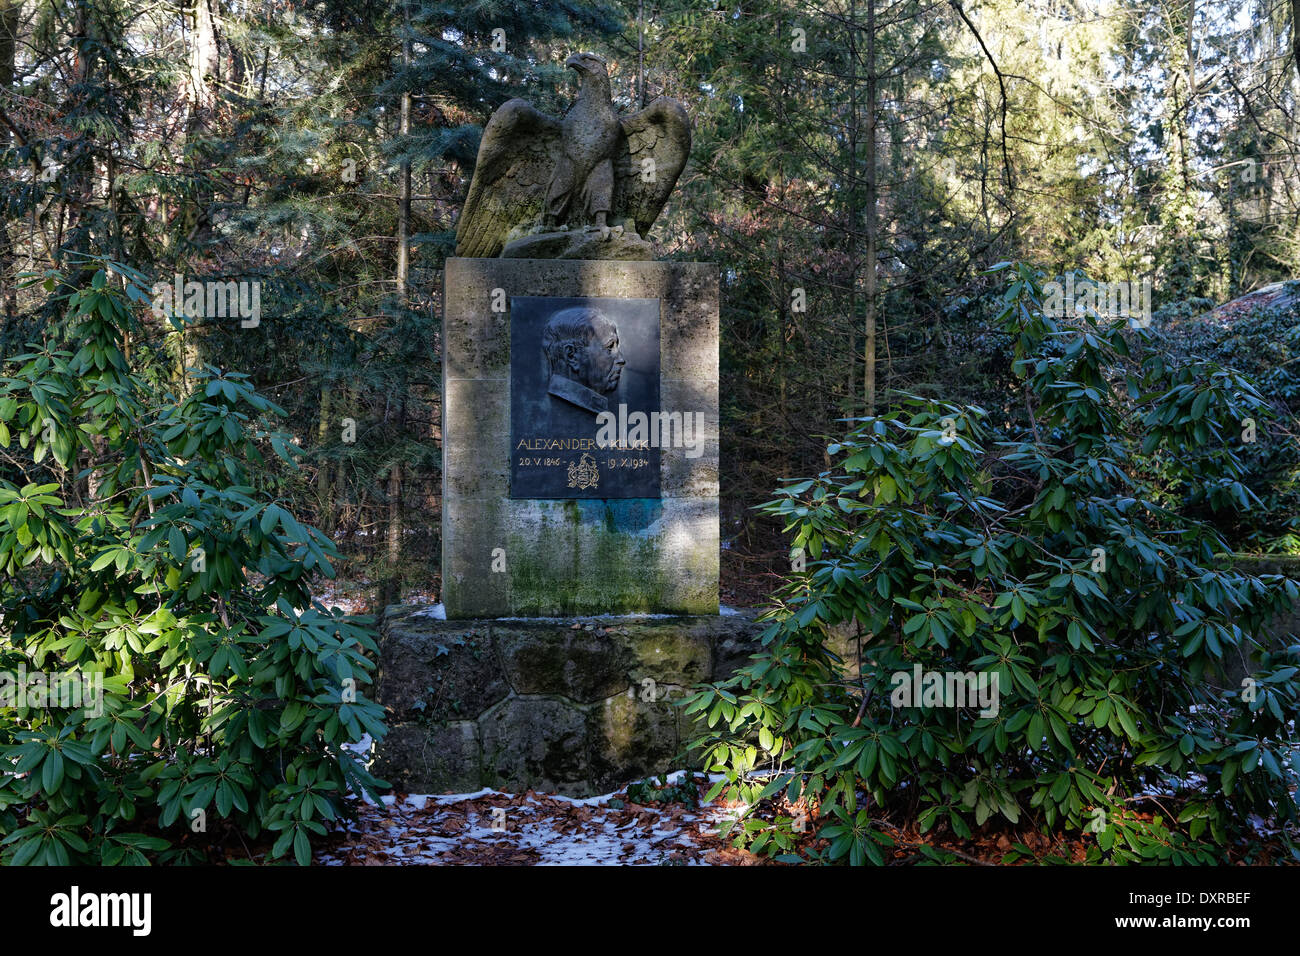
(600,363)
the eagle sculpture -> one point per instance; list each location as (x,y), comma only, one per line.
(592,169)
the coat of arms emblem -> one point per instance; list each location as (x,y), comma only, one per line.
(583,473)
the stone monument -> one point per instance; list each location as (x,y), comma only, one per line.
(580,378)
(580,468)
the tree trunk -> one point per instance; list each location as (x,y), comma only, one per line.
(342,513)
(77,176)
(10,15)
(869,293)
(854,266)
(9,21)
(390,589)
(204,72)
(1295,34)
(404,209)
(324,504)
(205,62)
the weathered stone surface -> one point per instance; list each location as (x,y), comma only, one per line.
(685,474)
(736,641)
(631,737)
(542,703)
(843,640)
(421,678)
(676,651)
(567,557)
(431,758)
(578,244)
(549,658)
(584,557)
(688,345)
(475,337)
(689,555)
(535,743)
(478,413)
(472,529)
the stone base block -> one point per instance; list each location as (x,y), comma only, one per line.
(576,706)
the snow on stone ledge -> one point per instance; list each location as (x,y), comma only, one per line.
(438,612)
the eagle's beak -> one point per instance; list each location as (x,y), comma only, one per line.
(575,62)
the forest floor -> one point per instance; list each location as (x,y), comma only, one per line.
(491,828)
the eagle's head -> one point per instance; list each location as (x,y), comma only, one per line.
(588,63)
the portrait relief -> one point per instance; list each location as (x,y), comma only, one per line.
(572,359)
(583,357)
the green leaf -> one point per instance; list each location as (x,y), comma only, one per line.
(52,772)
(177,544)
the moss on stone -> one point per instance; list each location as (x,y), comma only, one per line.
(603,570)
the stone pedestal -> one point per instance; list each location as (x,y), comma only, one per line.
(576,706)
(510,556)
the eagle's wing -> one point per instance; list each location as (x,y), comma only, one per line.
(515,160)
(660,132)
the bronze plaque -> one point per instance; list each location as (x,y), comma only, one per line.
(584,374)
